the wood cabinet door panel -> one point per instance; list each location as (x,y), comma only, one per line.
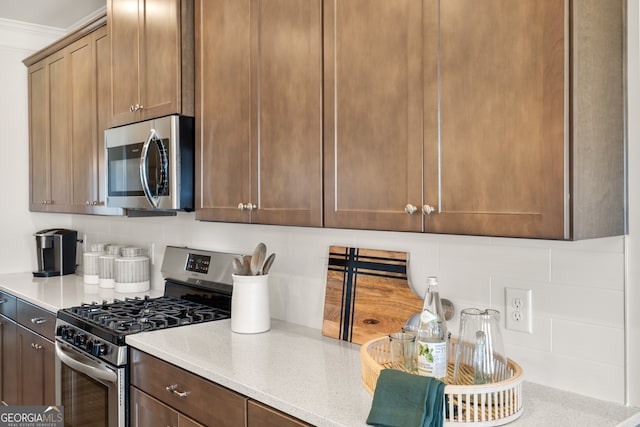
(60,154)
(500,155)
(373,114)
(160,57)
(286,111)
(9,362)
(124,35)
(147,411)
(260,415)
(37,369)
(103,98)
(223,107)
(38,137)
(82,99)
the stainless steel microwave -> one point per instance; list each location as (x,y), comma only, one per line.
(150,164)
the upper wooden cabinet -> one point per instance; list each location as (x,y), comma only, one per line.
(49,148)
(482,120)
(373,108)
(259,111)
(152,59)
(69,93)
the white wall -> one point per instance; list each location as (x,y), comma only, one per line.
(633,239)
(17,251)
(578,287)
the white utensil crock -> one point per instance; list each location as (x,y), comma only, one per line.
(250,304)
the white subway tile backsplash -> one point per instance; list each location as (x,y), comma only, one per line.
(593,342)
(577,286)
(604,270)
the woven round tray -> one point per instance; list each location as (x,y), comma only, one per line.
(483,405)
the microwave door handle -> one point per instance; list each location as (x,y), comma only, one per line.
(95,372)
(144,168)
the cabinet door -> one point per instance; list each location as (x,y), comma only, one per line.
(125,39)
(286,112)
(38,138)
(59,145)
(103,99)
(82,99)
(373,111)
(501,147)
(37,369)
(223,129)
(160,57)
(260,415)
(8,362)
(147,411)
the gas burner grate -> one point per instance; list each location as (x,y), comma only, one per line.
(133,315)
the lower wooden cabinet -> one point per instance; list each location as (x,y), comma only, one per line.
(36,368)
(27,353)
(164,395)
(147,411)
(260,415)
(8,361)
(182,393)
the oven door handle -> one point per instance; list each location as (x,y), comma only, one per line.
(90,368)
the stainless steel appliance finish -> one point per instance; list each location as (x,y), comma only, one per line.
(91,353)
(56,252)
(150,164)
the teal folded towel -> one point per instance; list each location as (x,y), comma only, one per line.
(405,400)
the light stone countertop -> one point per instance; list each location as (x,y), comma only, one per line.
(317,379)
(55,293)
(294,368)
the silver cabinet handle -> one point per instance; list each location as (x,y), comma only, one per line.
(410,209)
(428,210)
(36,346)
(2,301)
(173,389)
(38,320)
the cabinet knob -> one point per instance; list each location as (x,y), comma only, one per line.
(241,206)
(250,207)
(36,346)
(131,108)
(410,209)
(428,210)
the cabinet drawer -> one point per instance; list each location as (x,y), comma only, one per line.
(8,305)
(200,399)
(37,319)
(261,415)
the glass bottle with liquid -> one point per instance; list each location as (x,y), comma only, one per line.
(431,340)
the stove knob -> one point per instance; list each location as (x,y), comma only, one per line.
(97,348)
(59,330)
(79,339)
(89,346)
(68,333)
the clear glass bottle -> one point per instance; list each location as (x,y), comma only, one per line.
(431,340)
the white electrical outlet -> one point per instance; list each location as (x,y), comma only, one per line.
(518,311)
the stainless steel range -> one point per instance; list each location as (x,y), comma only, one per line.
(91,353)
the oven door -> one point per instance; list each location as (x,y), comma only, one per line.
(91,392)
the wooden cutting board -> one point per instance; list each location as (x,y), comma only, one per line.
(367,294)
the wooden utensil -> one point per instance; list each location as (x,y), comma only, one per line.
(257,259)
(367,294)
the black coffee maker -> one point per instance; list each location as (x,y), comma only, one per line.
(56,252)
